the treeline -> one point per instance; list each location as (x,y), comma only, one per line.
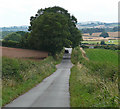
(15,28)
(14,39)
(4,33)
(95,30)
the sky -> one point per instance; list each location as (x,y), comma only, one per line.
(18,12)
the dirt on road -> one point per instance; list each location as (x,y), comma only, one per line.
(22,53)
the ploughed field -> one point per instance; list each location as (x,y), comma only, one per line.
(23,53)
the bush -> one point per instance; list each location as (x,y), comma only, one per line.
(104,34)
(11,68)
(11,44)
(102,42)
(13,37)
(108,46)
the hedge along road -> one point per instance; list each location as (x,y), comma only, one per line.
(52,91)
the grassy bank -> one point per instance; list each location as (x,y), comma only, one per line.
(19,76)
(94,82)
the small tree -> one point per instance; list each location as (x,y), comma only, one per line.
(102,42)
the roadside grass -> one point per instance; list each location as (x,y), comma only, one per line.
(94,83)
(19,75)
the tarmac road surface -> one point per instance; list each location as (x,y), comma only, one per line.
(51,92)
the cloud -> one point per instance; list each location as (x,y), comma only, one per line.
(18,12)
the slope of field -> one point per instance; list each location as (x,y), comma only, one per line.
(94,82)
(103,55)
(23,53)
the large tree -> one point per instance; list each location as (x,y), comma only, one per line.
(52,29)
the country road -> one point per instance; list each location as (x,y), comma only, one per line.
(51,92)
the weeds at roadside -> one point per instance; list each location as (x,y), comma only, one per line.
(92,83)
(19,75)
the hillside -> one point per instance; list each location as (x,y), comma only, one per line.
(96,24)
(14,28)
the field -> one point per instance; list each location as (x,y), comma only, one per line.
(116,42)
(94,82)
(23,53)
(95,36)
(102,55)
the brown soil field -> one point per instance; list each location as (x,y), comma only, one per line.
(23,53)
(95,36)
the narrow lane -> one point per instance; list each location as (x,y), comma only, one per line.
(51,92)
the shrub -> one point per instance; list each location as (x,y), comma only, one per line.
(102,42)
(11,44)
(10,68)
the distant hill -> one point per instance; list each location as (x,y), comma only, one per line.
(96,24)
(14,28)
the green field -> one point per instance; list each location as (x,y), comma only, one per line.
(113,42)
(91,42)
(94,82)
(116,42)
(103,55)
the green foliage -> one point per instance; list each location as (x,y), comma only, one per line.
(94,83)
(13,37)
(17,39)
(53,28)
(76,56)
(21,75)
(92,30)
(10,68)
(51,31)
(116,28)
(102,42)
(11,44)
(22,33)
(107,46)
(24,42)
(4,33)
(104,34)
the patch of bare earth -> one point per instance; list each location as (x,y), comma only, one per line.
(83,53)
(23,53)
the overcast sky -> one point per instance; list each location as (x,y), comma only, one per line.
(18,12)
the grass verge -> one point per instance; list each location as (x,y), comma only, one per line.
(19,76)
(93,83)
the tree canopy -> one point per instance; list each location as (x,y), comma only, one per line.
(13,37)
(104,34)
(53,28)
